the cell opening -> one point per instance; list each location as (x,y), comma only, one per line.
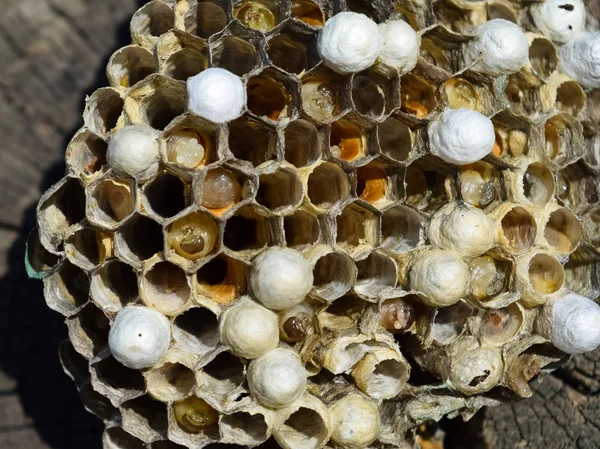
(294,53)
(449,323)
(401,229)
(501,325)
(461,94)
(257,15)
(117,438)
(250,142)
(489,276)
(577,187)
(301,230)
(434,54)
(224,373)
(395,139)
(543,57)
(347,140)
(115,376)
(519,228)
(371,183)
(546,274)
(538,184)
(308,12)
(170,382)
(418,96)
(153,19)
(303,429)
(563,230)
(160,108)
(328,186)
(64,208)
(87,153)
(194,236)
(144,415)
(92,322)
(196,330)
(190,148)
(342,313)
(165,288)
(114,200)
(302,143)
(114,285)
(166,195)
(247,429)
(279,190)
(141,239)
(368,96)
(477,184)
(376,275)
(570,98)
(247,230)
(234,54)
(130,65)
(87,248)
(220,190)
(209,18)
(320,97)
(194,415)
(223,279)
(38,258)
(334,275)
(185,63)
(268,97)
(499,11)
(355,227)
(72,287)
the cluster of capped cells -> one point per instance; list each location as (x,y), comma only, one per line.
(313,223)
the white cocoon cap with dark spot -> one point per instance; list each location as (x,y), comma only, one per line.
(559,20)
(461,136)
(217,95)
(575,324)
(134,151)
(349,42)
(139,337)
(580,59)
(400,45)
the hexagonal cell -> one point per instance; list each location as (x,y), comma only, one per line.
(327,186)
(237,50)
(164,287)
(375,94)
(138,240)
(343,313)
(110,201)
(546,274)
(113,286)
(577,187)
(86,153)
(251,141)
(379,13)
(479,184)
(490,276)
(193,422)
(88,331)
(427,187)
(376,276)
(259,15)
(97,404)
(522,98)
(280,190)
(182,55)
(247,230)
(401,229)
(372,183)
(570,97)
(538,184)
(512,136)
(294,49)
(581,271)
(223,279)
(117,438)
(461,94)
(302,143)
(321,93)
(206,17)
(449,323)
(165,196)
(39,262)
(564,139)
(271,95)
(418,96)
(356,228)
(349,139)
(156,101)
(145,419)
(171,381)
(130,65)
(67,289)
(334,275)
(223,374)
(88,247)
(459,17)
(151,21)
(193,236)
(62,206)
(74,364)
(196,331)
(563,231)
(115,381)
(519,228)
(308,12)
(301,230)
(501,10)
(192,142)
(434,53)
(543,57)
(499,326)
(222,189)
(245,428)
(395,139)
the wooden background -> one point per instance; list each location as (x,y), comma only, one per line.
(52,54)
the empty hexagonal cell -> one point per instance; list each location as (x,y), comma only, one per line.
(376,275)
(151,21)
(356,228)
(67,289)
(570,97)
(223,279)
(294,49)
(417,95)
(344,313)
(321,93)
(237,50)
(546,274)
(196,330)
(538,184)
(518,228)
(372,183)
(39,262)
(223,374)
(426,188)
(327,186)
(280,190)
(165,196)
(308,12)
(61,207)
(171,381)
(88,331)
(138,240)
(375,94)
(181,55)
(114,285)
(302,143)
(303,427)
(449,323)
(88,247)
(401,229)
(247,230)
(501,10)
(156,101)
(577,187)
(259,15)
(222,189)
(115,381)
(110,201)
(395,139)
(245,427)
(206,17)
(117,438)
(251,141)
(564,139)
(348,139)
(301,230)
(145,419)
(543,57)
(86,153)
(478,184)
(271,95)
(97,404)
(74,364)
(334,275)
(130,65)
(164,287)
(563,231)
(581,271)
(192,237)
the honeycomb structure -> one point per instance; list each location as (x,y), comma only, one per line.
(338,168)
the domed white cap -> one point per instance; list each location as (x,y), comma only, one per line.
(559,20)
(139,337)
(281,278)
(461,136)
(349,42)
(501,48)
(217,95)
(580,59)
(134,151)
(575,324)
(400,45)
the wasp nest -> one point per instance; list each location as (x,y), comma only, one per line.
(314,224)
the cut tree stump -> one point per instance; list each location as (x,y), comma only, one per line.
(52,54)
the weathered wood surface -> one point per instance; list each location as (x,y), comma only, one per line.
(53,53)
